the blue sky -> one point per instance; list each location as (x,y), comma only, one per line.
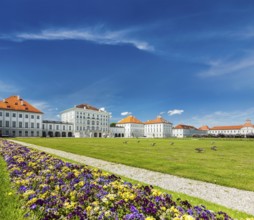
(191,61)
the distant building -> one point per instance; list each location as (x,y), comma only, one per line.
(245,129)
(159,128)
(87,121)
(116,131)
(57,129)
(19,118)
(132,127)
(182,130)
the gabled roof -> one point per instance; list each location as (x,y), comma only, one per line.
(86,106)
(248,123)
(204,128)
(181,126)
(158,120)
(233,127)
(130,119)
(17,104)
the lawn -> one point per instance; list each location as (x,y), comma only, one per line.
(230,165)
(10,204)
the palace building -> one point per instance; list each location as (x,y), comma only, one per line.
(133,127)
(88,121)
(156,128)
(159,128)
(246,129)
(19,118)
(182,130)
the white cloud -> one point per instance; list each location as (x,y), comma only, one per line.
(50,112)
(98,35)
(236,117)
(102,109)
(175,112)
(223,67)
(161,113)
(41,105)
(126,113)
(9,88)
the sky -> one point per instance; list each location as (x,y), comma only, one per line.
(191,62)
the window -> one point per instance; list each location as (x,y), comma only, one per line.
(1,124)
(14,115)
(32,116)
(1,113)
(38,125)
(32,133)
(32,125)
(20,115)
(7,124)
(14,124)
(26,125)
(26,133)
(38,117)
(20,133)
(13,133)
(7,114)
(20,124)
(69,128)
(50,127)
(38,133)
(43,126)
(57,127)
(64,127)
(26,116)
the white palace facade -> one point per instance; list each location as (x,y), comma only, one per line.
(87,120)
(18,118)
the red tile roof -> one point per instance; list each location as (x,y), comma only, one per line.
(86,106)
(17,104)
(181,126)
(204,128)
(233,127)
(158,120)
(130,119)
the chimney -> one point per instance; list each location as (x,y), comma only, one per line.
(18,97)
(22,102)
(4,100)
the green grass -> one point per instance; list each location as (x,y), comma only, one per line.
(192,200)
(231,165)
(10,204)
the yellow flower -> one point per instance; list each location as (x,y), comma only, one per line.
(187,217)
(107,213)
(149,218)
(81,183)
(88,208)
(32,201)
(156,192)
(10,193)
(163,208)
(28,193)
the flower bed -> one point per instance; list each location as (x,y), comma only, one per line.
(53,189)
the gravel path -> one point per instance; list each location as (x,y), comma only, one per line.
(229,197)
